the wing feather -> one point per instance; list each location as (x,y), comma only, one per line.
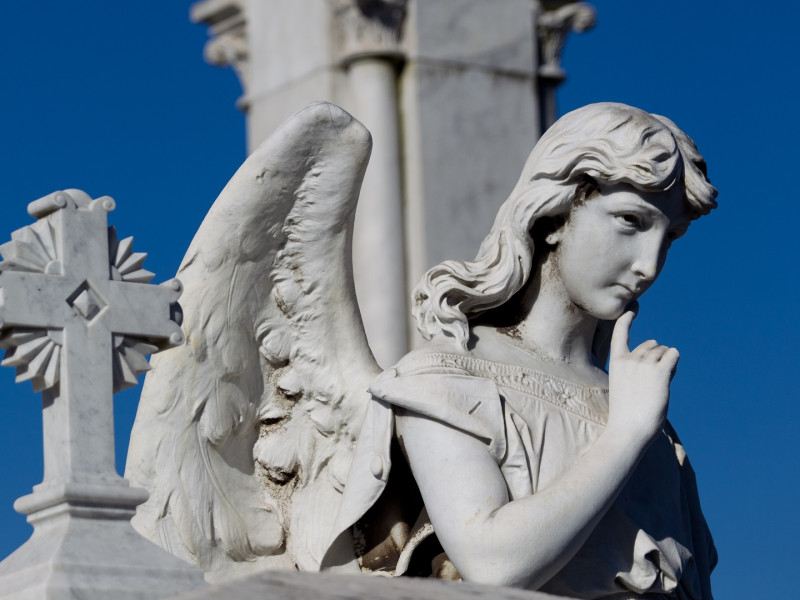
(254,419)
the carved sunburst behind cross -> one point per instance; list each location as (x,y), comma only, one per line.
(36,352)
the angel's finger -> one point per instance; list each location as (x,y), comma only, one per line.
(670,360)
(656,353)
(621,334)
(644,348)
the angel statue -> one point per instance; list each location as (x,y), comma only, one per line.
(501,451)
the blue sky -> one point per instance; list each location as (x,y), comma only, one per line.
(114,98)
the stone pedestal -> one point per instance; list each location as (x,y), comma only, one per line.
(83,546)
(287,585)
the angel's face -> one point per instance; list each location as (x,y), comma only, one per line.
(613,246)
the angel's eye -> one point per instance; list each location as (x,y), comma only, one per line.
(630,220)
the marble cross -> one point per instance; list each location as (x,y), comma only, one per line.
(77,318)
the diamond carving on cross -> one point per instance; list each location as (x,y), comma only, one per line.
(77,317)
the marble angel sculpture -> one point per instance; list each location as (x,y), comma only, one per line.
(501,451)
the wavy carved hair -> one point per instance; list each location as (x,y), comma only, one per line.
(608,143)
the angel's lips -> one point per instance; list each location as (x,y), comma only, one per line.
(630,291)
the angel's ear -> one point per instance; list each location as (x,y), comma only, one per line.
(553,238)
(549,230)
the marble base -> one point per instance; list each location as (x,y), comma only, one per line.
(290,585)
(83,546)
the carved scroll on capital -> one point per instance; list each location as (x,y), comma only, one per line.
(554,24)
(369,27)
(229,44)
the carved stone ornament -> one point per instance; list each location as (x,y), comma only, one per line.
(229,45)
(36,352)
(254,421)
(369,27)
(555,22)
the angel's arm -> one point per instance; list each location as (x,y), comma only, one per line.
(525,542)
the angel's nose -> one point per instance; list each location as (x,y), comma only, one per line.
(649,257)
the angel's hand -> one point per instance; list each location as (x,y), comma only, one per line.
(638,384)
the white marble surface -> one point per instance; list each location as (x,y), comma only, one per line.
(502,415)
(469,133)
(282,585)
(458,33)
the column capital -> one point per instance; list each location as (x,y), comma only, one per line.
(369,28)
(229,44)
(555,22)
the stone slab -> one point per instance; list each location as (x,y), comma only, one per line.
(287,585)
(300,29)
(472,131)
(492,34)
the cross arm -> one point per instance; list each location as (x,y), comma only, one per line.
(21,304)
(144,311)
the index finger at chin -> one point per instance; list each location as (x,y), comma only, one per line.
(621,335)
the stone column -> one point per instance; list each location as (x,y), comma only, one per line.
(378,259)
(368,34)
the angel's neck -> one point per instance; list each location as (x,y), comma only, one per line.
(553,325)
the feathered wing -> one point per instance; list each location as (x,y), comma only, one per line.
(244,435)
